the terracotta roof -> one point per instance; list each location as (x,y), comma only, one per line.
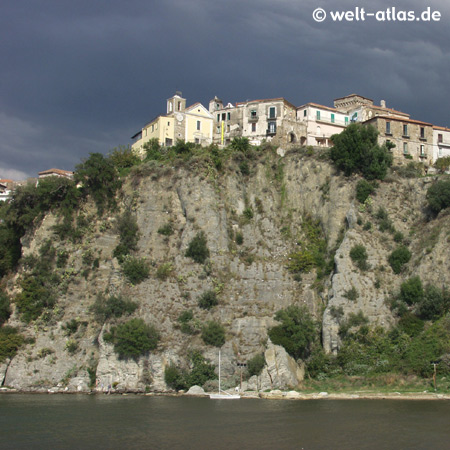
(436,127)
(58,171)
(316,105)
(389,109)
(6,180)
(399,119)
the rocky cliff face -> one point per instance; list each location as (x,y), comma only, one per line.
(267,208)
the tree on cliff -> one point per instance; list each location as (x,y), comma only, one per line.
(356,150)
(99,178)
(297,331)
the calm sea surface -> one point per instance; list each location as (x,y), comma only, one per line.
(139,422)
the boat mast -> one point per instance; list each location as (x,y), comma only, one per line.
(219,372)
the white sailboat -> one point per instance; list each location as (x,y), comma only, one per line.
(223,395)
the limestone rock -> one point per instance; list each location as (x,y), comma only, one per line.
(281,370)
(195,390)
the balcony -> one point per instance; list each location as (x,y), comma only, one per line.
(253,118)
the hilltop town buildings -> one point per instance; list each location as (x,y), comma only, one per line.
(283,124)
(189,124)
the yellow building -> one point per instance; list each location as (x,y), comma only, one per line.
(192,124)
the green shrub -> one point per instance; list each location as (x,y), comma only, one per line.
(207,300)
(71,327)
(71,346)
(434,303)
(213,333)
(5,308)
(128,230)
(202,370)
(358,254)
(302,261)
(186,316)
(166,230)
(175,378)
(123,157)
(248,213)
(356,150)
(244,168)
(363,190)
(438,196)
(99,178)
(411,291)
(239,238)
(198,249)
(10,342)
(36,295)
(256,364)
(398,258)
(428,346)
(164,271)
(135,270)
(133,339)
(354,320)
(112,307)
(442,164)
(297,331)
(241,144)
(351,294)
(411,324)
(367,226)
(398,237)
(153,150)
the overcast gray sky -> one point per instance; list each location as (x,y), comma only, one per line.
(82,76)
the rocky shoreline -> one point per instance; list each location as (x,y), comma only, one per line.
(271,395)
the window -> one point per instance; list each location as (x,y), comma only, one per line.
(197,140)
(317,115)
(179,106)
(272,112)
(388,127)
(272,127)
(440,138)
(422,150)
(223,116)
(217,129)
(168,124)
(218,117)
(217,106)
(253,127)
(405,130)
(405,148)
(198,125)
(253,113)
(304,113)
(153,128)
(228,116)
(422,132)
(346,121)
(332,118)
(170,107)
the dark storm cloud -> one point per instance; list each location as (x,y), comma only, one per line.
(80,77)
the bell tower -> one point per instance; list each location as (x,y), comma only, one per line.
(176,104)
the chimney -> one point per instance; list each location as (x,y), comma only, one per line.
(383,103)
